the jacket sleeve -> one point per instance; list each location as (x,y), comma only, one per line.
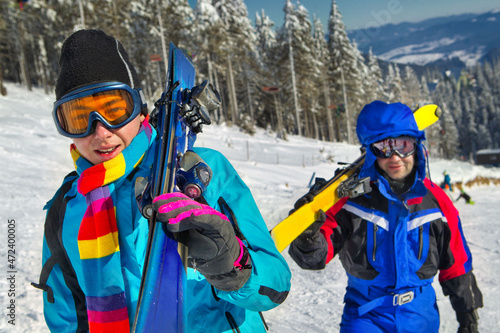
(266,288)
(63,300)
(59,307)
(456,276)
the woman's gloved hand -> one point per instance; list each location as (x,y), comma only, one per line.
(213,248)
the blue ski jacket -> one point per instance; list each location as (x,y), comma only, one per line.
(392,246)
(209,309)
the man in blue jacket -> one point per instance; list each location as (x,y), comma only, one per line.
(393,240)
(95,215)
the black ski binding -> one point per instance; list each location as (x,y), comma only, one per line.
(202,99)
(354,187)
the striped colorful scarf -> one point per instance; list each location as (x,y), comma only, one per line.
(103,283)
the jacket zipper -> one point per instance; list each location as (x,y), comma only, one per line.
(420,241)
(375,228)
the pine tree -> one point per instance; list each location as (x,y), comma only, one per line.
(448,137)
(321,78)
(412,93)
(239,47)
(210,63)
(4,43)
(287,76)
(394,84)
(375,80)
(269,113)
(307,71)
(360,94)
(344,73)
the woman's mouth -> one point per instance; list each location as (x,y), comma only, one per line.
(107,150)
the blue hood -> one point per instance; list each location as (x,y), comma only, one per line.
(379,120)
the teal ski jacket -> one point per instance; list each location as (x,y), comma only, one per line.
(208,309)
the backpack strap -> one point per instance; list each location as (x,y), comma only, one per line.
(53,237)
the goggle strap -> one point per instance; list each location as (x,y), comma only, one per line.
(143,98)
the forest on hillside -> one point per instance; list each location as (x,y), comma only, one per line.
(301,78)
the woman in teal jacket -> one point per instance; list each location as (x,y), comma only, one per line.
(231,301)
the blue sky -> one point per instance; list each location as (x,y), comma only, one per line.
(366,13)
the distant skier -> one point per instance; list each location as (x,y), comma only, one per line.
(447,182)
(95,236)
(466,197)
(393,240)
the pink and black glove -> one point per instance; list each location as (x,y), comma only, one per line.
(213,248)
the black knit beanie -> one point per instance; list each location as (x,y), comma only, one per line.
(91,56)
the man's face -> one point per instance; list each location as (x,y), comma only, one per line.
(398,168)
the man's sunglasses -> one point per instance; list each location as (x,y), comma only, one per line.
(403,146)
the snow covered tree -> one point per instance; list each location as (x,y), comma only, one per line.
(269,112)
(239,49)
(344,73)
(448,141)
(362,81)
(375,81)
(394,84)
(425,93)
(412,93)
(306,69)
(210,33)
(287,76)
(322,81)
(486,117)
(469,131)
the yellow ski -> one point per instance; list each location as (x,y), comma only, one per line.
(427,115)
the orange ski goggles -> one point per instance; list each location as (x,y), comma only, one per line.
(114,104)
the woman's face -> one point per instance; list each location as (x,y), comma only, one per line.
(105,143)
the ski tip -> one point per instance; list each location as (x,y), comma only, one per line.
(433,109)
(427,115)
(438,112)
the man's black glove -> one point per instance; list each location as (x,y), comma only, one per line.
(213,248)
(310,236)
(310,249)
(468,322)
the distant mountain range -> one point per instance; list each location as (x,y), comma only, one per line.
(453,41)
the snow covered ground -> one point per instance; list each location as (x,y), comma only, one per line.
(34,159)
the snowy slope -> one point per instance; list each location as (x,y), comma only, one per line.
(33,165)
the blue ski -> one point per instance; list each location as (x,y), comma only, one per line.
(178,117)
